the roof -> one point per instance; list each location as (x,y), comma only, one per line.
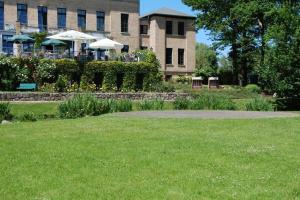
(167,12)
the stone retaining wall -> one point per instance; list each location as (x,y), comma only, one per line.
(40,96)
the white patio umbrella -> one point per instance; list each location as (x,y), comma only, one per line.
(72,36)
(106,44)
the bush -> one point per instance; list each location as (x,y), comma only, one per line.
(130,70)
(259,104)
(288,104)
(86,85)
(162,87)
(184,80)
(67,67)
(46,71)
(253,88)
(28,117)
(61,84)
(121,105)
(181,103)
(156,104)
(83,105)
(5,112)
(213,102)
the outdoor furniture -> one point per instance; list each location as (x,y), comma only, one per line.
(197,82)
(213,82)
(106,44)
(27,86)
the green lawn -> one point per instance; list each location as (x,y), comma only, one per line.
(111,157)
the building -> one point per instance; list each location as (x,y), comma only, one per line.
(170,34)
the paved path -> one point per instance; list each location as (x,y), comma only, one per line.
(208,114)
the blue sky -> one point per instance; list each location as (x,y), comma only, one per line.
(150,5)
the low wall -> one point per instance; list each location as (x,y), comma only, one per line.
(40,96)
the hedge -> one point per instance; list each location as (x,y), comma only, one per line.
(130,71)
(288,104)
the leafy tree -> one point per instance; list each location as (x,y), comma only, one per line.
(206,60)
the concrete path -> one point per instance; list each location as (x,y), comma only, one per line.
(208,114)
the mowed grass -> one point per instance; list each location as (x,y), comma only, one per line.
(111,157)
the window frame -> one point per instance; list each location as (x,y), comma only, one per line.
(169,58)
(43,25)
(181,28)
(61,25)
(100,15)
(22,7)
(169,27)
(124,24)
(81,14)
(143,30)
(181,58)
(2,15)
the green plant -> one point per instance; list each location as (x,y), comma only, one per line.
(121,105)
(155,104)
(28,117)
(253,88)
(162,87)
(86,85)
(83,105)
(46,71)
(61,84)
(67,67)
(259,104)
(181,103)
(212,102)
(5,112)
(47,87)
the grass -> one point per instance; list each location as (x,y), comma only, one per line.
(112,157)
(35,108)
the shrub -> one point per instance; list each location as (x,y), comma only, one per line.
(213,102)
(184,80)
(130,70)
(259,104)
(181,103)
(162,87)
(67,67)
(47,87)
(86,85)
(5,112)
(61,84)
(83,105)
(28,117)
(156,104)
(288,104)
(46,71)
(253,88)
(121,105)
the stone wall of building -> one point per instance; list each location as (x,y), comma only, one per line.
(40,96)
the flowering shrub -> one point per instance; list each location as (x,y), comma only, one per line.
(46,71)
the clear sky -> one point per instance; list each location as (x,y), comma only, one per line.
(151,5)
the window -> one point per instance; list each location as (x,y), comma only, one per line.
(61,18)
(169,27)
(1,15)
(81,15)
(22,13)
(124,23)
(100,21)
(169,56)
(143,48)
(180,28)
(144,29)
(42,18)
(125,49)
(180,56)
(7,46)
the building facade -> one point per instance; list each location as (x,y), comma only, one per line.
(116,19)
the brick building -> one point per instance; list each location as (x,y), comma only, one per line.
(170,34)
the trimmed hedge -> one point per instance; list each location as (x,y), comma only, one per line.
(129,71)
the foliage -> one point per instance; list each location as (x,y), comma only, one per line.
(206,61)
(46,71)
(121,105)
(8,69)
(259,104)
(111,69)
(67,67)
(83,105)
(47,87)
(28,117)
(184,80)
(206,72)
(181,103)
(253,88)
(5,112)
(86,85)
(287,104)
(39,38)
(161,87)
(155,104)
(212,102)
(61,84)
